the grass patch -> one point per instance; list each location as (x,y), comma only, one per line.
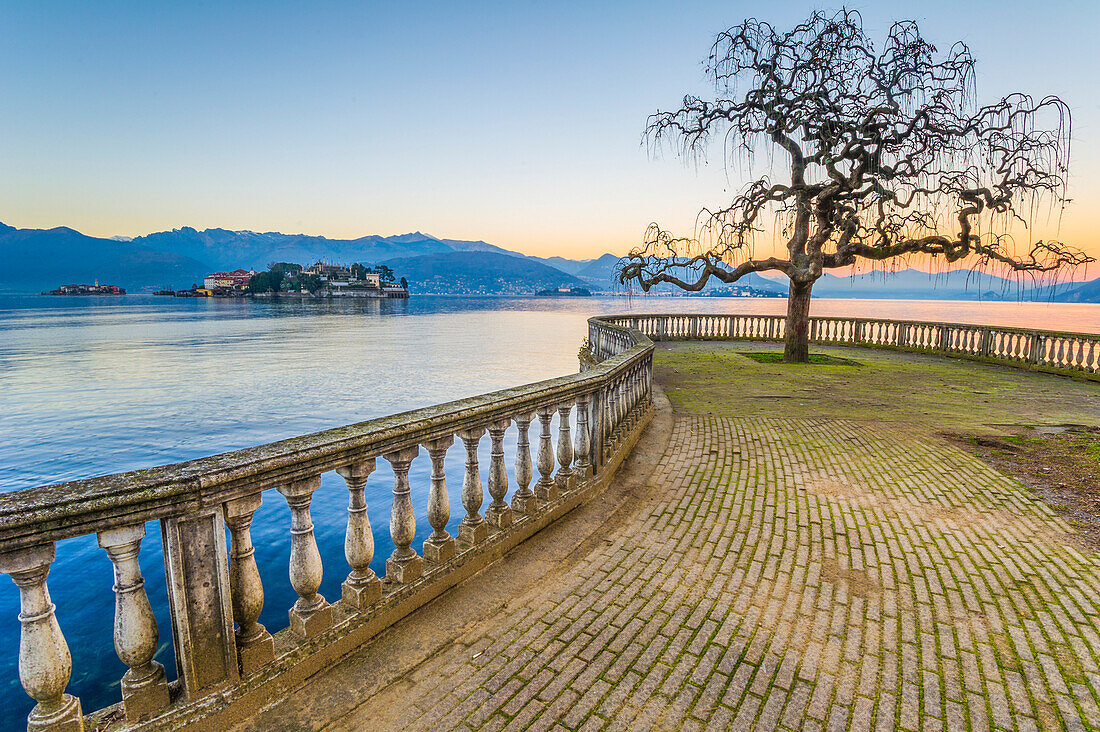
(815,358)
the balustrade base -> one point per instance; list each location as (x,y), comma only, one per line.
(67,718)
(256,653)
(470,535)
(405,570)
(361,594)
(441,552)
(144,697)
(565,482)
(499,517)
(311,623)
(547,491)
(526,505)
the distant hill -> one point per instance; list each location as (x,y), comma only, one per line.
(225,249)
(569,266)
(479,272)
(1088,292)
(603,273)
(39,259)
(914,284)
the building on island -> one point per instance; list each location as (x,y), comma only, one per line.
(235,280)
(328,271)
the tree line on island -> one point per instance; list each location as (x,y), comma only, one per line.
(291,277)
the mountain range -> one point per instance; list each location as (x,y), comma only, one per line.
(37,259)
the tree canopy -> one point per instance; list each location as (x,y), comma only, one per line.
(872,154)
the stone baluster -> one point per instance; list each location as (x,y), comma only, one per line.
(362,586)
(566,479)
(583,444)
(44,661)
(440,546)
(311,613)
(627,398)
(631,384)
(546,488)
(524,499)
(597,416)
(607,426)
(473,528)
(499,513)
(144,688)
(612,410)
(255,646)
(404,565)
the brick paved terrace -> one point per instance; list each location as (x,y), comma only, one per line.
(790,547)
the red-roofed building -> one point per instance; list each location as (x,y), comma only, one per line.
(235,280)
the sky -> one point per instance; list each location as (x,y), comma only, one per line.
(518,123)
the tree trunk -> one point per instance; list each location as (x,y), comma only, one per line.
(796,344)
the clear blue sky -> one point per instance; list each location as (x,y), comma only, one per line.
(514,122)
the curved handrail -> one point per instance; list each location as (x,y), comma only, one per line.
(1072,354)
(63,510)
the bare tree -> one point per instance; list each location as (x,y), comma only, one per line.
(875,155)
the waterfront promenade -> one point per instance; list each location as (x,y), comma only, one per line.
(791,547)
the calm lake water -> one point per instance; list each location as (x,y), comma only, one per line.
(90,386)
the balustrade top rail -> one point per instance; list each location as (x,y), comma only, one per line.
(64,510)
(1060,352)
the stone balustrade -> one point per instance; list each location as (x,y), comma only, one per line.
(228,662)
(1075,354)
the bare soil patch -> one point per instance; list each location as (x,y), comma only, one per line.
(1061,463)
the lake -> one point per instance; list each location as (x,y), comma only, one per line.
(95,385)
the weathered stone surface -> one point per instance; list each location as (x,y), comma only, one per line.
(306,624)
(499,513)
(311,613)
(144,687)
(474,534)
(440,546)
(201,601)
(404,565)
(44,660)
(440,551)
(361,587)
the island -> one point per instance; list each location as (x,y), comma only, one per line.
(94,289)
(318,280)
(565,292)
